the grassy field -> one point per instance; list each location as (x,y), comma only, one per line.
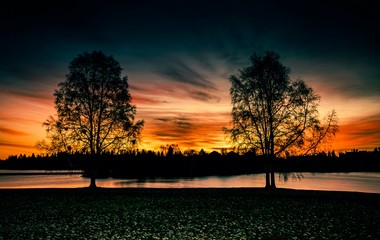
(187,214)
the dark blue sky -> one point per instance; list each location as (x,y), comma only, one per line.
(179,54)
(39,38)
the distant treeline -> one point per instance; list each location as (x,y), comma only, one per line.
(144,164)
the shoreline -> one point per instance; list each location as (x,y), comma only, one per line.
(244,191)
(222,189)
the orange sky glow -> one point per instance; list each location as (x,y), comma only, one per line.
(178,119)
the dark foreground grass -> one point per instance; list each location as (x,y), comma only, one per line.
(187,214)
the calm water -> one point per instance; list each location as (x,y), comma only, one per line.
(355,182)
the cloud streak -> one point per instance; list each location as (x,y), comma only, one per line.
(16,145)
(183,73)
(362,131)
(203,96)
(12,132)
(190,130)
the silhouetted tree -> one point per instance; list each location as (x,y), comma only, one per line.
(189,152)
(94,110)
(202,152)
(274,115)
(170,151)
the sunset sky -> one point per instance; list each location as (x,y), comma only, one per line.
(178,56)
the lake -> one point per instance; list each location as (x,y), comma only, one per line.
(353,182)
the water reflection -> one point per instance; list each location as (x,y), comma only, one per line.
(356,182)
(43,181)
(254,180)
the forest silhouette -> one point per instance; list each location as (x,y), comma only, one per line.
(190,163)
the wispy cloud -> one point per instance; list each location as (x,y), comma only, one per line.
(137,99)
(188,130)
(16,145)
(166,92)
(12,132)
(183,73)
(37,95)
(203,96)
(362,131)
(180,123)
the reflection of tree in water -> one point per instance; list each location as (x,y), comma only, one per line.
(293,176)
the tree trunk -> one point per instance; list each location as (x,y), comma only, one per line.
(93,172)
(272,173)
(93,181)
(267,173)
(267,179)
(272,178)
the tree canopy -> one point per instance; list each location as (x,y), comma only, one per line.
(94,110)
